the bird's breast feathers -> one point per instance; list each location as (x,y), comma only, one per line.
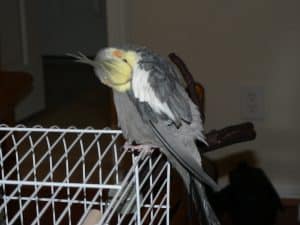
(143,91)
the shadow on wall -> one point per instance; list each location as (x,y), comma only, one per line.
(228,163)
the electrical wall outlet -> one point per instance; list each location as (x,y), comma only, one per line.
(252,103)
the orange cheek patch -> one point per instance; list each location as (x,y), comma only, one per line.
(117,53)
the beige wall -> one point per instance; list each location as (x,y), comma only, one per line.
(228,45)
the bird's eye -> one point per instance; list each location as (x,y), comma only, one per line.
(125,60)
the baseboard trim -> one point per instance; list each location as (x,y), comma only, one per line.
(288,191)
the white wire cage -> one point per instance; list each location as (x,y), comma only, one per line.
(60,176)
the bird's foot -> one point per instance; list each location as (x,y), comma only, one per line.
(146,148)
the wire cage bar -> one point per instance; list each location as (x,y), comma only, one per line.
(59,176)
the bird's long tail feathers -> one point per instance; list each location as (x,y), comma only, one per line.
(206,214)
(200,175)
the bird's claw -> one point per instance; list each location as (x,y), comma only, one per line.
(147,148)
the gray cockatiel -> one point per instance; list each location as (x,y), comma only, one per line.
(154,109)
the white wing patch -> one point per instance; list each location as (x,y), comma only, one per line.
(143,91)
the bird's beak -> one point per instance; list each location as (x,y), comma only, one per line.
(106,66)
(113,72)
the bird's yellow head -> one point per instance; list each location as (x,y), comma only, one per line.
(113,66)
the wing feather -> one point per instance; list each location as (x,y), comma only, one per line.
(156,83)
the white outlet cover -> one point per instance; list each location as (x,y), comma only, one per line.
(252,103)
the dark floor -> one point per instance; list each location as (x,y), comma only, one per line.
(75,97)
(289,216)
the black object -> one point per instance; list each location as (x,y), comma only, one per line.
(249,199)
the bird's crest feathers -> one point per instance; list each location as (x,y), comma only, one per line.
(80,57)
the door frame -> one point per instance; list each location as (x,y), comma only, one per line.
(117,21)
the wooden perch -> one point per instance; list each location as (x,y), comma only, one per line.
(229,135)
(217,138)
(196,92)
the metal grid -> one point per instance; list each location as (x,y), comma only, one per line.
(58,176)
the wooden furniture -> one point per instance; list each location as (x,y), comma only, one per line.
(14,86)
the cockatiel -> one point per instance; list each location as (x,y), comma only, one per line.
(154,109)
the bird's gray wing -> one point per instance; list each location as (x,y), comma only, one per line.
(164,80)
(178,136)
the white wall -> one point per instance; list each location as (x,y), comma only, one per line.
(228,45)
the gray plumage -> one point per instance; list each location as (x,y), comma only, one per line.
(181,140)
(137,118)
